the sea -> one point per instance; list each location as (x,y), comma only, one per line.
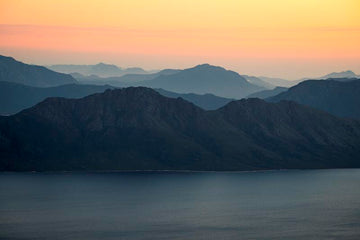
(261,205)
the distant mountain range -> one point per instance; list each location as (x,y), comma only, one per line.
(287,83)
(137,128)
(38,76)
(201,79)
(15,97)
(268,93)
(134,78)
(204,79)
(340,97)
(344,74)
(121,80)
(100,69)
(197,84)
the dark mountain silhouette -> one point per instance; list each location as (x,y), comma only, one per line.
(205,101)
(100,69)
(15,97)
(268,93)
(137,128)
(204,79)
(338,97)
(18,72)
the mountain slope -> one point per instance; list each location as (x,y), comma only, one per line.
(204,79)
(340,98)
(15,97)
(267,93)
(18,72)
(137,128)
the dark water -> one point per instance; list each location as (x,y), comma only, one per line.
(318,204)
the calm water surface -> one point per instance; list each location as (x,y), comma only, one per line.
(316,204)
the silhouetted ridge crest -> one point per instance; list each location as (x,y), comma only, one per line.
(138,129)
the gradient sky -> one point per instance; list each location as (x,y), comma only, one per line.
(281,38)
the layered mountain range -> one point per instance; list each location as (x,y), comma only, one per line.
(201,79)
(137,128)
(23,85)
(204,79)
(15,97)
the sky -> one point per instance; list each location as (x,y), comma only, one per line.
(279,38)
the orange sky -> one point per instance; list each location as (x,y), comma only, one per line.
(286,38)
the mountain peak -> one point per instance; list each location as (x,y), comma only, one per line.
(208,67)
(106,66)
(205,78)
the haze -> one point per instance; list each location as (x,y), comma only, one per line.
(289,39)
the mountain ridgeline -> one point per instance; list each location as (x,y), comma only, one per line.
(340,97)
(201,79)
(15,97)
(32,75)
(204,79)
(138,129)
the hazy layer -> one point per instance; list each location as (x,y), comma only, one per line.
(288,39)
